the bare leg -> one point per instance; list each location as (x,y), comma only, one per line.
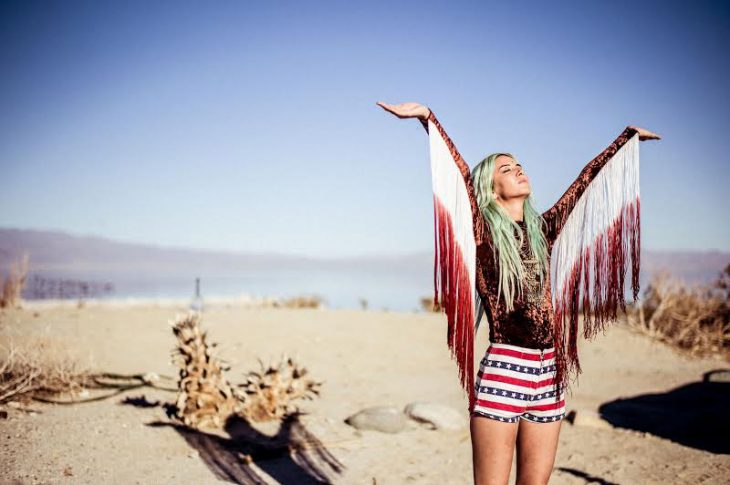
(537,445)
(493,446)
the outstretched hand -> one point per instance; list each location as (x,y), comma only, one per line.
(645,134)
(406,110)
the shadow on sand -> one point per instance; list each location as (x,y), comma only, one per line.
(694,415)
(585,476)
(292,455)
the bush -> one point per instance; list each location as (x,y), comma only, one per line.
(12,285)
(695,319)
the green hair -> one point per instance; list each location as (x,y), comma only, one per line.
(502,227)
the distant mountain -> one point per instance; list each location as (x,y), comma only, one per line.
(58,252)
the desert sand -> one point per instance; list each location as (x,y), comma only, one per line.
(677,431)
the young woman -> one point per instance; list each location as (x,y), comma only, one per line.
(518,399)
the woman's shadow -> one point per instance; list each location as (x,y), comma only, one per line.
(694,415)
(292,455)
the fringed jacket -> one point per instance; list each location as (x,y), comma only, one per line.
(534,322)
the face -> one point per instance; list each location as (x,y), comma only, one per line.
(509,179)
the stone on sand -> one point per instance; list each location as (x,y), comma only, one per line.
(386,419)
(436,415)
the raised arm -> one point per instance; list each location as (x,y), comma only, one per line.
(459,235)
(556,216)
(479,233)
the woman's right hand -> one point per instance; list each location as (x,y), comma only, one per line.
(406,110)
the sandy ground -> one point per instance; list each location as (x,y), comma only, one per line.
(677,431)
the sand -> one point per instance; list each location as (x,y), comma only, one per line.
(364,359)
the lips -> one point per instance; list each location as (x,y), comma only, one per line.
(522,180)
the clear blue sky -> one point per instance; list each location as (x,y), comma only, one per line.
(252,126)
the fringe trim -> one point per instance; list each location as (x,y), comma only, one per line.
(591,258)
(452,288)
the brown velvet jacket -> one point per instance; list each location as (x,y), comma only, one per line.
(530,324)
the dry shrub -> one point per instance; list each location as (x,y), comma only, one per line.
(37,369)
(694,319)
(428,305)
(12,285)
(307,301)
(207,400)
(269,394)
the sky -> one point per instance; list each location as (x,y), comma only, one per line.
(252,126)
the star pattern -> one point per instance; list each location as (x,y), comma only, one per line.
(505,391)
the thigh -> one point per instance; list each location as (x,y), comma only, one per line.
(493,446)
(537,445)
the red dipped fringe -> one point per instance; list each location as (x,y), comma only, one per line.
(453,290)
(609,273)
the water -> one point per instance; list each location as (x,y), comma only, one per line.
(397,288)
(382,290)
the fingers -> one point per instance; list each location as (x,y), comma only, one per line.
(645,134)
(399,110)
(386,106)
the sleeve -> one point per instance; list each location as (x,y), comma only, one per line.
(459,229)
(481,236)
(594,234)
(557,215)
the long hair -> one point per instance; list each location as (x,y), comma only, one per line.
(505,244)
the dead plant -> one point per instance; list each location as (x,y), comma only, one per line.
(31,371)
(207,400)
(694,319)
(269,394)
(12,285)
(304,301)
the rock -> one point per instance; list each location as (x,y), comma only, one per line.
(436,415)
(589,419)
(150,378)
(386,419)
(718,376)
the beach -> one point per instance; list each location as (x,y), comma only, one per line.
(364,359)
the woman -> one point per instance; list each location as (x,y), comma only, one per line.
(518,398)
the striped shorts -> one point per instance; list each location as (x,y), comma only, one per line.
(517,382)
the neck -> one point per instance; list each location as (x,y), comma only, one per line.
(514,207)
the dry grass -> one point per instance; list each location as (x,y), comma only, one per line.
(694,319)
(305,301)
(12,285)
(427,304)
(37,369)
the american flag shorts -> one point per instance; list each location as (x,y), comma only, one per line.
(518,382)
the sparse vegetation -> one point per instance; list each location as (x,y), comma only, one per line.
(12,285)
(304,301)
(694,319)
(207,400)
(428,305)
(38,369)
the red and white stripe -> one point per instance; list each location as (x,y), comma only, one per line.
(508,390)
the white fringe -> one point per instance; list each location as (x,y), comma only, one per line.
(615,186)
(449,186)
